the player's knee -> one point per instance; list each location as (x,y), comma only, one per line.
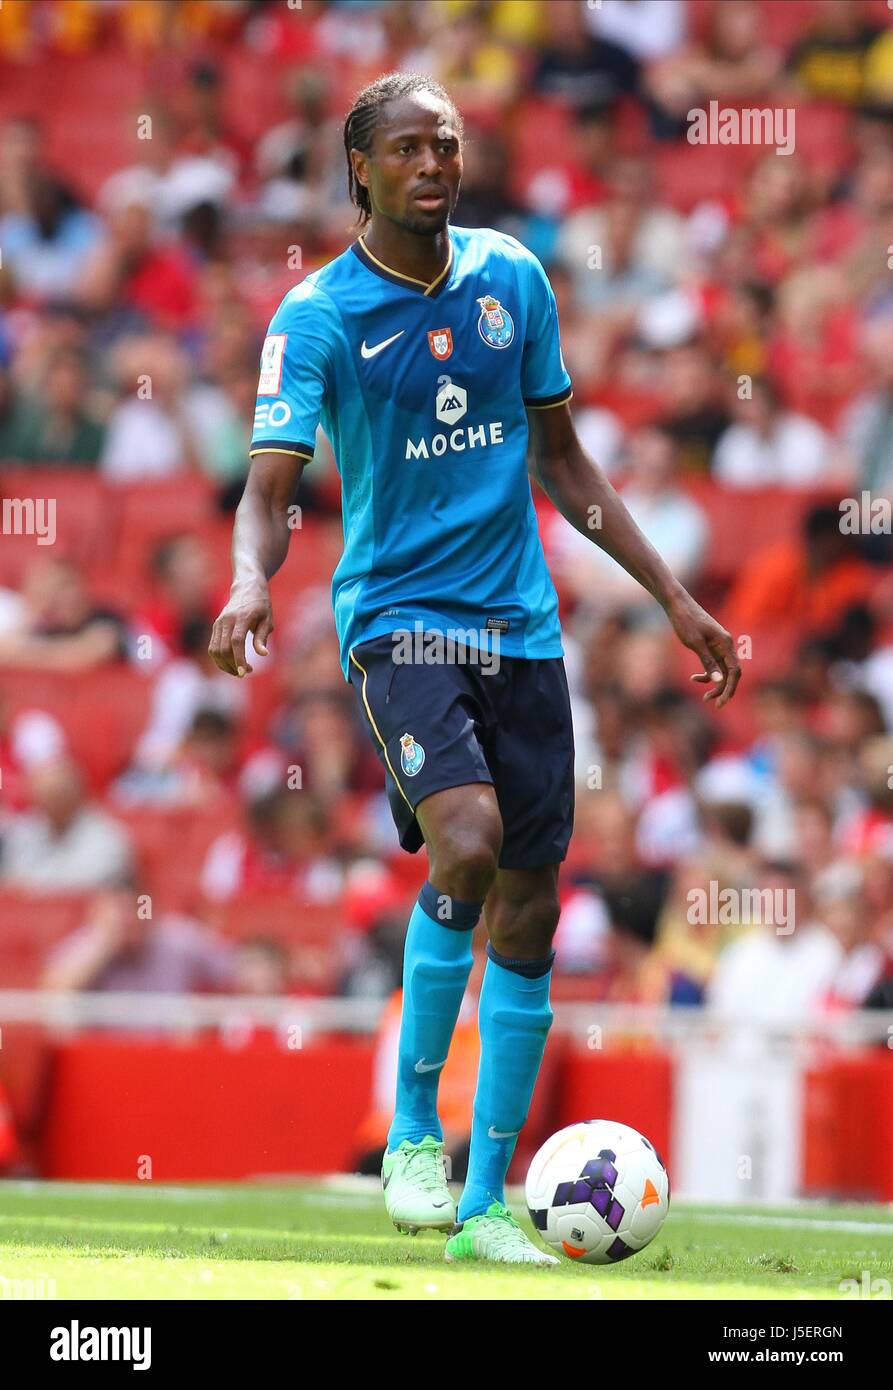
(465,857)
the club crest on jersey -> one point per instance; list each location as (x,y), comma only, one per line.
(440,341)
(412,755)
(495,325)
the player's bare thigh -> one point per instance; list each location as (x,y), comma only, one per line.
(463,835)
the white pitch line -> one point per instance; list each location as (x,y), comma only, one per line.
(800,1223)
(306,1189)
(350,1190)
(35,1188)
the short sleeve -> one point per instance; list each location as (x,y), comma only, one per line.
(544,378)
(294,369)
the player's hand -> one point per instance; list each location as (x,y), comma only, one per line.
(711,643)
(248,610)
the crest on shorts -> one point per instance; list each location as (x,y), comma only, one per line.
(495,325)
(412,755)
(440,341)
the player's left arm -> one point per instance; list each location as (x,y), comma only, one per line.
(582,493)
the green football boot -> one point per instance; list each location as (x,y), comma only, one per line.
(415,1187)
(496,1236)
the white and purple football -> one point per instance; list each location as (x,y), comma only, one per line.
(597,1192)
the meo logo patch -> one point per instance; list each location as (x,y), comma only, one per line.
(440,341)
(275,415)
(271,357)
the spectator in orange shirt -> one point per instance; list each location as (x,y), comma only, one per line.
(810,580)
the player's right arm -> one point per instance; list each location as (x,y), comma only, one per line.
(582,493)
(260,544)
(295,369)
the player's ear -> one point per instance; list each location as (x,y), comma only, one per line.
(360,163)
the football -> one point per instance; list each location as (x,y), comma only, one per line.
(597,1191)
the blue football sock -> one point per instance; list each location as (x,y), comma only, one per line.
(514,1018)
(436,966)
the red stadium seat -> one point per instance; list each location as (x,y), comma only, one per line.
(313,935)
(171,846)
(156,832)
(281,916)
(24,1061)
(30,926)
(129,583)
(782,24)
(824,135)
(574,989)
(146,513)
(312,556)
(264,696)
(631,127)
(633,405)
(539,126)
(19,969)
(34,690)
(102,712)
(254,96)
(410,870)
(73,95)
(743,518)
(686,174)
(73,502)
(111,708)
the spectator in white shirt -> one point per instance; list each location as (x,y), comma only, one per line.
(648,29)
(152,432)
(770,446)
(673,523)
(63,844)
(626,250)
(780,972)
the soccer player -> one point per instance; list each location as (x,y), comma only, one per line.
(430,354)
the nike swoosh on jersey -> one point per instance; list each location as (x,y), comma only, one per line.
(379,347)
(422,1066)
(502,1134)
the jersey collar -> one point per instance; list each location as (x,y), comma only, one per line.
(430,291)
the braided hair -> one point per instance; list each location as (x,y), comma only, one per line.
(359,127)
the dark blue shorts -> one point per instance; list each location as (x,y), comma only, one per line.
(447,725)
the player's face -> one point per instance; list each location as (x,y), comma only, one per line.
(415,167)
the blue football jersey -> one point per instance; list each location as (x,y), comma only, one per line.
(422,390)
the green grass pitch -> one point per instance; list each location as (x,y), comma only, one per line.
(333,1241)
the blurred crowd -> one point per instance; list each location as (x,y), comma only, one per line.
(727,319)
